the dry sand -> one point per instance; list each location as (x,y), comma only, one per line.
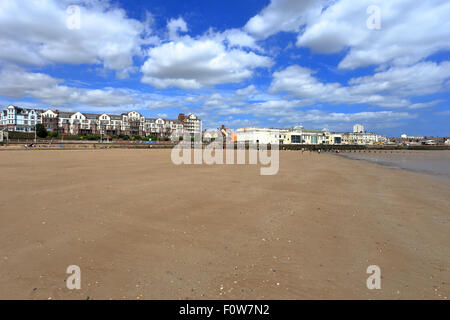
(140,227)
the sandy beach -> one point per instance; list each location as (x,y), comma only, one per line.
(140,227)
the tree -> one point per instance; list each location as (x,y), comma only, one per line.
(41,132)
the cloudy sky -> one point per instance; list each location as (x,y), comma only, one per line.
(279,63)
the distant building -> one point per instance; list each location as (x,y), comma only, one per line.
(211,135)
(225,134)
(362,138)
(406,137)
(20,119)
(131,123)
(300,135)
(295,135)
(162,127)
(191,123)
(358,128)
(254,135)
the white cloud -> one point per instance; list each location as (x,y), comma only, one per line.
(282,15)
(35,32)
(237,38)
(339,121)
(390,88)
(248,91)
(443,113)
(275,108)
(176,25)
(410,31)
(194,63)
(17,83)
(416,80)
(192,99)
(322,116)
(423,105)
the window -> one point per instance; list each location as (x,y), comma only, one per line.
(296,139)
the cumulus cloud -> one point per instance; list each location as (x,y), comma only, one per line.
(283,15)
(176,25)
(17,83)
(194,63)
(37,33)
(390,88)
(340,121)
(410,31)
(248,91)
(236,38)
(323,116)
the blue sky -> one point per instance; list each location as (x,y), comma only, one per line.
(279,63)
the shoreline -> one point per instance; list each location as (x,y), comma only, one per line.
(410,167)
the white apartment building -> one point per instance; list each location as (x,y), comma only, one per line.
(364,138)
(131,123)
(109,124)
(254,135)
(162,127)
(20,119)
(192,124)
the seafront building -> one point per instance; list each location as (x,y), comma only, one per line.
(301,135)
(78,123)
(411,138)
(19,119)
(259,135)
(191,123)
(363,138)
(295,135)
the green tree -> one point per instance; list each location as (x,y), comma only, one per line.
(41,132)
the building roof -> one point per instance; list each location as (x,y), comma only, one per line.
(91,115)
(63,114)
(21,110)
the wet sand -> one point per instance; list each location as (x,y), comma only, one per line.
(435,162)
(140,227)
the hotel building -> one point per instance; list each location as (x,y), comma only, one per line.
(19,119)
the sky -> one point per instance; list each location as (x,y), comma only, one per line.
(264,63)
